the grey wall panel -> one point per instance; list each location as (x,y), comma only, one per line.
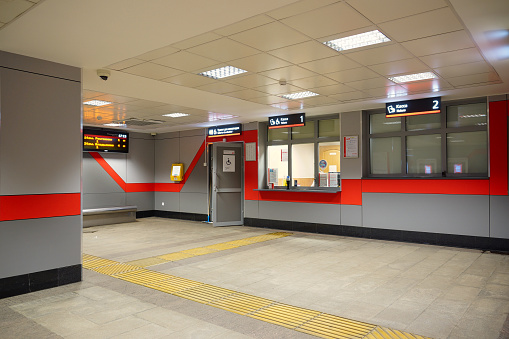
(167,152)
(143,200)
(118,162)
(251,209)
(193,203)
(449,214)
(28,64)
(201,132)
(351,168)
(304,212)
(189,146)
(140,161)
(37,155)
(351,215)
(250,126)
(197,181)
(167,201)
(96,179)
(499,216)
(35,245)
(99,200)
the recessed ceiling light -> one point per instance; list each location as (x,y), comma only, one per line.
(175,115)
(299,95)
(414,77)
(115,124)
(222,72)
(96,103)
(357,41)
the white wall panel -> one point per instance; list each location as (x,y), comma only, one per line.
(448,214)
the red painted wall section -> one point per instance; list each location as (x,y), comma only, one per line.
(19,207)
(427,186)
(351,191)
(296,196)
(498,147)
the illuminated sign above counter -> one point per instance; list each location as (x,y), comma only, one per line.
(102,140)
(413,107)
(291,120)
(225,130)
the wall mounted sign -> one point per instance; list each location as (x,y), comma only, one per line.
(290,120)
(228,162)
(104,140)
(351,146)
(413,107)
(225,130)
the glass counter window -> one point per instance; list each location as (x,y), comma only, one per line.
(329,155)
(278,159)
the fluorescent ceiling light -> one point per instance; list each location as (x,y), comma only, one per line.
(175,115)
(223,72)
(96,103)
(299,95)
(414,77)
(357,41)
(115,124)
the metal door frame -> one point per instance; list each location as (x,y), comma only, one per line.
(216,158)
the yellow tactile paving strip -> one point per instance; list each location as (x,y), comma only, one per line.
(315,323)
(194,252)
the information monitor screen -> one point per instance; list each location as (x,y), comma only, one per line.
(104,140)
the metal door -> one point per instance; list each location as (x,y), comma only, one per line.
(227,184)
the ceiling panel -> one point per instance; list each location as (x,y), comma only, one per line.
(303,52)
(434,85)
(259,63)
(292,105)
(370,83)
(279,89)
(288,73)
(439,43)
(334,64)
(220,87)
(350,96)
(474,79)
(115,98)
(152,71)
(380,55)
(250,80)
(464,69)
(158,53)
(461,56)
(244,25)
(319,101)
(407,66)
(387,92)
(355,74)
(335,89)
(223,50)
(298,8)
(269,100)
(422,25)
(325,21)
(190,80)
(10,9)
(247,94)
(386,10)
(185,61)
(313,82)
(125,64)
(196,40)
(271,36)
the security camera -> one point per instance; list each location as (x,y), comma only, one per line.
(103,74)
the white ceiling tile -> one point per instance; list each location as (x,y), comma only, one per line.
(268,100)
(197,40)
(115,98)
(393,9)
(279,89)
(379,55)
(158,53)
(145,103)
(464,69)
(298,8)
(335,89)
(247,94)
(319,101)
(407,66)
(304,52)
(354,74)
(370,83)
(185,61)
(474,79)
(291,105)
(152,71)
(259,63)
(270,36)
(223,50)
(387,92)
(350,96)
(422,25)
(88,94)
(333,64)
(313,82)
(250,80)
(461,56)
(125,64)
(439,43)
(11,9)
(430,86)
(220,87)
(288,73)
(328,20)
(190,80)
(244,25)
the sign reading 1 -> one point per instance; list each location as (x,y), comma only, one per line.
(291,120)
(413,107)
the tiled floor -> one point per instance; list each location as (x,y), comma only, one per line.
(432,291)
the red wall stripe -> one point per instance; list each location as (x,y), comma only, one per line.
(351,191)
(104,164)
(498,147)
(19,207)
(427,186)
(301,196)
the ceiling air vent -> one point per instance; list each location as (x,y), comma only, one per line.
(141,122)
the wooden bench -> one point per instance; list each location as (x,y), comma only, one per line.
(109,215)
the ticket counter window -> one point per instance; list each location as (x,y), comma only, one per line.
(385,154)
(329,155)
(467,152)
(424,154)
(278,159)
(303,165)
